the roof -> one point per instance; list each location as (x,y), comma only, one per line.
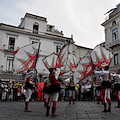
(35,16)
(84,47)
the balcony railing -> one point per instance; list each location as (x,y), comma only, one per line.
(114,43)
(10,47)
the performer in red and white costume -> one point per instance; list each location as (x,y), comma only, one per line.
(29,79)
(98,82)
(54,89)
(117,88)
(40,92)
(46,93)
(106,87)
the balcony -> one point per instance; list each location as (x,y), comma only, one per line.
(114,43)
(11,47)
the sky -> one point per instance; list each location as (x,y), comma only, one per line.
(80,18)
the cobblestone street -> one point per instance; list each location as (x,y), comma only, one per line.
(81,110)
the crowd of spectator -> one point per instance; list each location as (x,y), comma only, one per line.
(15,91)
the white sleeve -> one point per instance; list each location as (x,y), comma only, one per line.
(114,75)
(99,72)
(57,72)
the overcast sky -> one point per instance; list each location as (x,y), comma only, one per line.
(80,18)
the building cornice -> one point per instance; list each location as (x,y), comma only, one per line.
(111,19)
(35,17)
(83,47)
(26,32)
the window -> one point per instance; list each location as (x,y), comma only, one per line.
(114,23)
(50,28)
(34,42)
(35,27)
(9,63)
(116,59)
(11,43)
(58,48)
(115,35)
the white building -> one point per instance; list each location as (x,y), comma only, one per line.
(32,29)
(112,36)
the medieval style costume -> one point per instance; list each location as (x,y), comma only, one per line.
(117,89)
(106,86)
(98,87)
(46,93)
(29,87)
(54,89)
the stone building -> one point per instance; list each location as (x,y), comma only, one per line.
(112,36)
(32,29)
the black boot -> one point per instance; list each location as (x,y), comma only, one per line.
(45,104)
(47,112)
(73,101)
(98,101)
(69,101)
(109,109)
(118,106)
(26,108)
(105,108)
(53,112)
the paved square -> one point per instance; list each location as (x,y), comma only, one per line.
(81,110)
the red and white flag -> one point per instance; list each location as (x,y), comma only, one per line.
(26,57)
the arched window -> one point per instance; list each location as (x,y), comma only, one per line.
(113,23)
(35,27)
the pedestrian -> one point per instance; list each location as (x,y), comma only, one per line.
(14,91)
(88,90)
(10,91)
(77,91)
(23,92)
(4,92)
(82,90)
(62,92)
(19,93)
(40,92)
(29,87)
(54,89)
(71,89)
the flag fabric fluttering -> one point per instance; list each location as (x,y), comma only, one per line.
(58,60)
(62,56)
(26,57)
(50,60)
(84,68)
(72,62)
(61,61)
(101,57)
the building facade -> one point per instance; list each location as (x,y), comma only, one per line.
(31,29)
(112,36)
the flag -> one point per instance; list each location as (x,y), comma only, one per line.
(72,62)
(26,57)
(50,60)
(58,60)
(84,69)
(101,57)
(62,58)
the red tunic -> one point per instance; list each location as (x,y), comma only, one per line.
(53,81)
(40,86)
